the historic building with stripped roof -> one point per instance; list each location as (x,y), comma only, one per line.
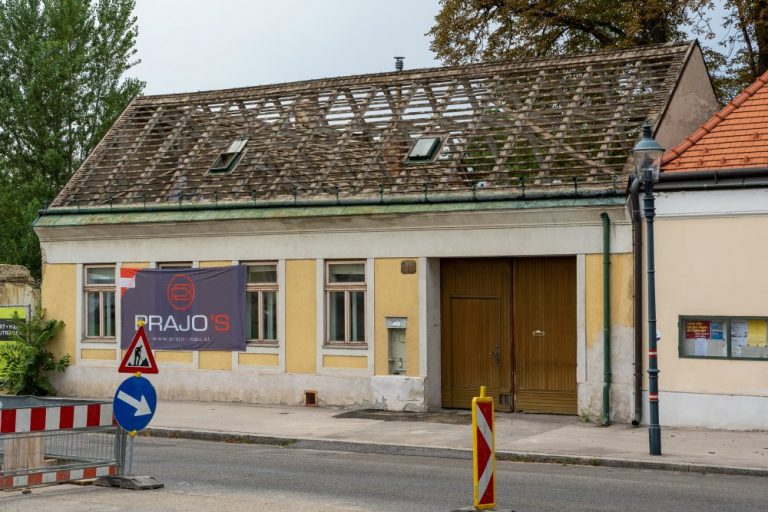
(410,236)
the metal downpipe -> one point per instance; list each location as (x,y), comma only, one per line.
(606,319)
(637,258)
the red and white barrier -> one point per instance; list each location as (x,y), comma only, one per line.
(65,417)
(23,434)
(56,477)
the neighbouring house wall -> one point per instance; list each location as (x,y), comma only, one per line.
(710,261)
(17,286)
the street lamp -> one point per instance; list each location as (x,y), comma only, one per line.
(647,156)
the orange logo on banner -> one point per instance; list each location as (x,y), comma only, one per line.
(139,357)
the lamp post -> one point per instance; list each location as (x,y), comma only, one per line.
(647,156)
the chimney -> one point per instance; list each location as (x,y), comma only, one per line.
(399,63)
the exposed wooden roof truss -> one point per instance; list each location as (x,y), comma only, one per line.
(560,123)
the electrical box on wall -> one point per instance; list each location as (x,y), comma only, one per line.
(396,326)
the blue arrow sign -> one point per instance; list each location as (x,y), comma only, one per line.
(135,403)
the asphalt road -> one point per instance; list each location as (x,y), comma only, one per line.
(209,476)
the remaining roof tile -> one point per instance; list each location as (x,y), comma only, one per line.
(557,123)
(736,137)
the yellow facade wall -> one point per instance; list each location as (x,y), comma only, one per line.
(214,360)
(258,359)
(345,362)
(396,294)
(173,356)
(220,263)
(135,265)
(300,322)
(59,297)
(622,294)
(101,354)
(709,267)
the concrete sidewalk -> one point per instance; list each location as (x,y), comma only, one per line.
(531,437)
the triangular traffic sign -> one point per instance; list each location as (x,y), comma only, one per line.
(139,356)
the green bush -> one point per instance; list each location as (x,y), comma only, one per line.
(25,360)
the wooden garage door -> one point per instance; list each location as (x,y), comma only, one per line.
(545,334)
(475,308)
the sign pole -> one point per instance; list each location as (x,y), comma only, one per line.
(133,407)
(483,452)
(129,453)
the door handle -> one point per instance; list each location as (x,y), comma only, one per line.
(496,354)
(538,333)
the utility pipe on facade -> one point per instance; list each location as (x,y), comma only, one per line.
(606,319)
(637,258)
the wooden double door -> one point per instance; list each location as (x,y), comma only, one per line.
(509,324)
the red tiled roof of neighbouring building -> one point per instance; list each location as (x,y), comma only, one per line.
(734,138)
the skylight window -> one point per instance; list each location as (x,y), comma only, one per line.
(424,150)
(227,160)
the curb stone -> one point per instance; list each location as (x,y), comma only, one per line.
(447,453)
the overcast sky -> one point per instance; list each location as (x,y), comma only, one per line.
(215,44)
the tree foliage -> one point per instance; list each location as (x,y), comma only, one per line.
(735,44)
(62,84)
(25,360)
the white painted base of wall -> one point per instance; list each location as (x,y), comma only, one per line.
(392,393)
(590,396)
(735,412)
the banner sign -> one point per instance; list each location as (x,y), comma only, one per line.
(190,309)
(7,326)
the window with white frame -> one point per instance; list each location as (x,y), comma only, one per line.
(345,302)
(99,295)
(261,300)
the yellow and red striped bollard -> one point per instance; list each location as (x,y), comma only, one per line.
(483,452)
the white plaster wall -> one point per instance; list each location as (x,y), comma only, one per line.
(622,378)
(431,335)
(251,386)
(562,231)
(734,412)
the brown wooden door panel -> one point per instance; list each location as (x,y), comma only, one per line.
(545,334)
(475,306)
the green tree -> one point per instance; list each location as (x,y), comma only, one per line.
(472,30)
(25,360)
(62,84)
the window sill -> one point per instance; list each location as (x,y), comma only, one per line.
(102,341)
(347,346)
(262,344)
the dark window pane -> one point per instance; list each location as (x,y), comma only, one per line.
(252,320)
(101,275)
(270,315)
(336,316)
(109,313)
(346,273)
(180,265)
(92,312)
(424,149)
(262,274)
(357,316)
